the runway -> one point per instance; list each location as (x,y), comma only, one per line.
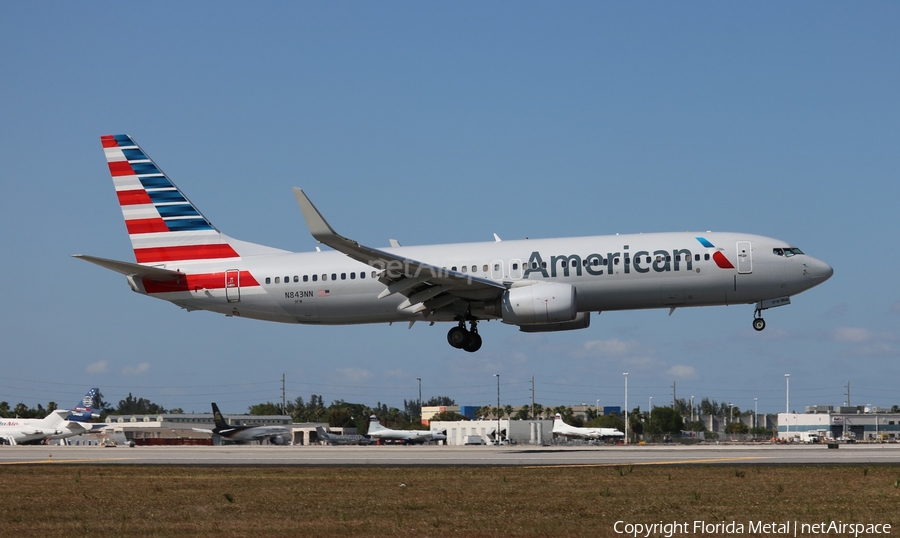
(452,455)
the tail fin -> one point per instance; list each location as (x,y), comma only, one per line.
(374,425)
(163,225)
(218,418)
(84,410)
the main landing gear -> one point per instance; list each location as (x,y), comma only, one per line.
(462,338)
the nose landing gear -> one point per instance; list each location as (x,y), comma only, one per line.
(758,322)
(461,338)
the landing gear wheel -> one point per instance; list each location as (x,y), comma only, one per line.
(458,337)
(474,343)
(759,324)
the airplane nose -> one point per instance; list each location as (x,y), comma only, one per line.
(819,270)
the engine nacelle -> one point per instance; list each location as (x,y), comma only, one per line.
(544,303)
(581,321)
(278,440)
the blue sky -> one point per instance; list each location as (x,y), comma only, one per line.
(447,122)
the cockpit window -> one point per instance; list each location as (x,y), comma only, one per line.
(787,252)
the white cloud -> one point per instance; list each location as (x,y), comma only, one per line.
(613,347)
(851,334)
(683,372)
(98,367)
(354,375)
(139,369)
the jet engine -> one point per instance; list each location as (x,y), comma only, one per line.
(538,304)
(278,440)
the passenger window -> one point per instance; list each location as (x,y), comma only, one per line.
(574,263)
(678,258)
(696,257)
(296,278)
(324,278)
(453,268)
(543,265)
(287,280)
(373,274)
(333,276)
(616,261)
(668,258)
(649,259)
(362,274)
(315,278)
(464,269)
(352,276)
(343,276)
(268,280)
(706,257)
(474,268)
(484,268)
(515,267)
(278,280)
(305,278)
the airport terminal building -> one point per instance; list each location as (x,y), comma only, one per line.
(824,423)
(174,429)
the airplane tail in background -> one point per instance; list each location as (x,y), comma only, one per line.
(84,410)
(374,425)
(219,419)
(164,226)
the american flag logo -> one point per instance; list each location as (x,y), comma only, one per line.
(324,293)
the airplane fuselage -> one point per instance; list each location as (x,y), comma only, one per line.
(621,272)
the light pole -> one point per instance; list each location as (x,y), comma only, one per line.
(755,413)
(650,412)
(787,403)
(498,407)
(419,379)
(597,408)
(731,413)
(692,409)
(626,407)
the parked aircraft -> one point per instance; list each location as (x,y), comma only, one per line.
(22,431)
(561,428)
(277,435)
(538,285)
(339,439)
(59,424)
(377,431)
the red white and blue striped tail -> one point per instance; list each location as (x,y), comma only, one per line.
(164,226)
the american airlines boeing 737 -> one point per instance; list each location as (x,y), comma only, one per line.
(538,285)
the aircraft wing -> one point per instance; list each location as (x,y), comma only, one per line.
(402,275)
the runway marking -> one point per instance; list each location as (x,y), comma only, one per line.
(51,460)
(676,462)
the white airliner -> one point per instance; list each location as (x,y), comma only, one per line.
(538,285)
(25,431)
(377,431)
(59,424)
(561,428)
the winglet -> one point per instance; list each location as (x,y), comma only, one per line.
(318,226)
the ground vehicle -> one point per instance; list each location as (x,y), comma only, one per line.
(473,440)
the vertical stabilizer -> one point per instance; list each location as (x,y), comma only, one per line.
(164,226)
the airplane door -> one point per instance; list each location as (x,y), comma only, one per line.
(496,270)
(233,285)
(744,257)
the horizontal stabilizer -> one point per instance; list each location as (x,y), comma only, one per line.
(133,269)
